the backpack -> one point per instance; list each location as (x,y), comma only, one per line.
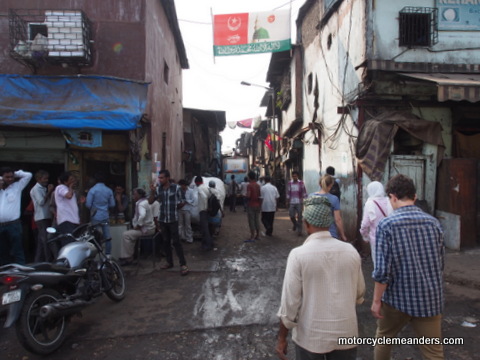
(335,190)
(213,205)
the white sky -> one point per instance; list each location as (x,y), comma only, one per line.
(214,84)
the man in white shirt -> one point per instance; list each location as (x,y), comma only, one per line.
(185,213)
(10,225)
(323,283)
(243,192)
(269,195)
(41,195)
(142,224)
(203,195)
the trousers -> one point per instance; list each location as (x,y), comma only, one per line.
(394,320)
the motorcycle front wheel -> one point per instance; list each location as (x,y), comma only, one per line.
(36,334)
(114,280)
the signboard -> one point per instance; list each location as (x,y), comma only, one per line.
(458,14)
(251,33)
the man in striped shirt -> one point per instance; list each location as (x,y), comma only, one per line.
(408,271)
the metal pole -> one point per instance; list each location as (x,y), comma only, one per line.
(274,138)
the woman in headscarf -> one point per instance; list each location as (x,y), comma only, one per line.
(376,208)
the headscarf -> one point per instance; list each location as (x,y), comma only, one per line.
(375,190)
(318,211)
(376,193)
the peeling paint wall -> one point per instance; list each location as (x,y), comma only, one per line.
(331,79)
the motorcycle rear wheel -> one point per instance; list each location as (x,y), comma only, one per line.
(38,335)
(114,280)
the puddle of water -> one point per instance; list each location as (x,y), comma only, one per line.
(237,264)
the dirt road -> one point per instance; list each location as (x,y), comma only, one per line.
(223,310)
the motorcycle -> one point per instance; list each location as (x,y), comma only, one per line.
(41,298)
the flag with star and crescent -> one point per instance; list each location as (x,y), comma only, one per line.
(251,33)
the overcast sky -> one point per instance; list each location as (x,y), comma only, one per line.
(214,83)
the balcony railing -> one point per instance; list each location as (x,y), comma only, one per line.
(55,37)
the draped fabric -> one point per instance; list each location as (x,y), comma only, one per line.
(376,137)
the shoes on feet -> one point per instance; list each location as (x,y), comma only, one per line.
(184,270)
(166,266)
(249,240)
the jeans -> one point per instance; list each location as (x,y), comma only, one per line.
(65,228)
(185,226)
(295,213)
(105,226)
(171,238)
(11,243)
(302,354)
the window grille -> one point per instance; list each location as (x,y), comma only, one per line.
(418,26)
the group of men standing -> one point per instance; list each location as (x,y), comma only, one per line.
(52,205)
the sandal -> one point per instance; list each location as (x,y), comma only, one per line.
(184,270)
(166,266)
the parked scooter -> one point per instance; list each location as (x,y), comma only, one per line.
(42,297)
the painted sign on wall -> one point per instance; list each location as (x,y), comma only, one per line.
(458,14)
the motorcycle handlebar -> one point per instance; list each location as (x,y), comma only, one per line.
(56,238)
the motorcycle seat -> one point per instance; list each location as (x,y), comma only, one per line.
(46,266)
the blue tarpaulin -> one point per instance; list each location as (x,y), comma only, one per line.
(71,102)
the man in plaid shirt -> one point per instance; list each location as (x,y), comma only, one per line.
(171,199)
(408,272)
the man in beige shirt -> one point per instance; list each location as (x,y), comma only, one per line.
(323,283)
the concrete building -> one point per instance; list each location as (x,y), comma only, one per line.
(94,85)
(386,88)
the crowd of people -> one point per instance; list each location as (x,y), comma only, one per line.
(59,206)
(323,279)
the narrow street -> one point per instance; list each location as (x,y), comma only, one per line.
(223,310)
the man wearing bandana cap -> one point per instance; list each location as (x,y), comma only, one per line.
(322,285)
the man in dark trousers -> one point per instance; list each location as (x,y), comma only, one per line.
(10,225)
(232,193)
(170,197)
